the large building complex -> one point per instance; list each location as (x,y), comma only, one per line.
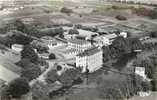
(91,59)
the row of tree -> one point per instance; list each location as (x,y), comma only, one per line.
(121,46)
(123,88)
(15,89)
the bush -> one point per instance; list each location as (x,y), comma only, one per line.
(153,34)
(29,53)
(120,17)
(31,73)
(59,68)
(52,56)
(66,10)
(73,31)
(52,76)
(18,87)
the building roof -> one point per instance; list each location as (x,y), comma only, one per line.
(89,52)
(110,36)
(86,33)
(78,41)
(71,50)
(17,45)
(141,69)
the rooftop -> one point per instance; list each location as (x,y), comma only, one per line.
(17,45)
(89,52)
(86,33)
(110,36)
(79,41)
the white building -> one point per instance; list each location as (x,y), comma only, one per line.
(105,40)
(140,71)
(70,53)
(123,34)
(91,59)
(83,33)
(102,41)
(17,47)
(51,42)
(79,45)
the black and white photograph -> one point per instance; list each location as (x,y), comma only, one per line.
(78,49)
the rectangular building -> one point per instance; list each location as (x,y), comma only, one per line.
(91,59)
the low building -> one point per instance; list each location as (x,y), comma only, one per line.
(17,47)
(105,40)
(91,59)
(140,71)
(51,42)
(86,34)
(102,41)
(28,21)
(79,45)
(44,55)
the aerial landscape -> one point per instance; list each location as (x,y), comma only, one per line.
(78,49)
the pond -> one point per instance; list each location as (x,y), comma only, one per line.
(123,60)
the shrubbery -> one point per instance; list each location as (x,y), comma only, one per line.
(120,17)
(66,10)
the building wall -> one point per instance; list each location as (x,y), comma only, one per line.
(79,47)
(95,61)
(92,62)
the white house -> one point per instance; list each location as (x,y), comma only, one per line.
(91,59)
(51,42)
(140,71)
(105,40)
(17,47)
(123,34)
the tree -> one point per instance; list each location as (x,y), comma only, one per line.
(52,76)
(66,10)
(31,73)
(153,14)
(23,63)
(73,31)
(29,53)
(4,93)
(59,68)
(52,56)
(111,94)
(67,78)
(18,87)
(19,25)
(153,34)
(120,17)
(146,86)
(121,45)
